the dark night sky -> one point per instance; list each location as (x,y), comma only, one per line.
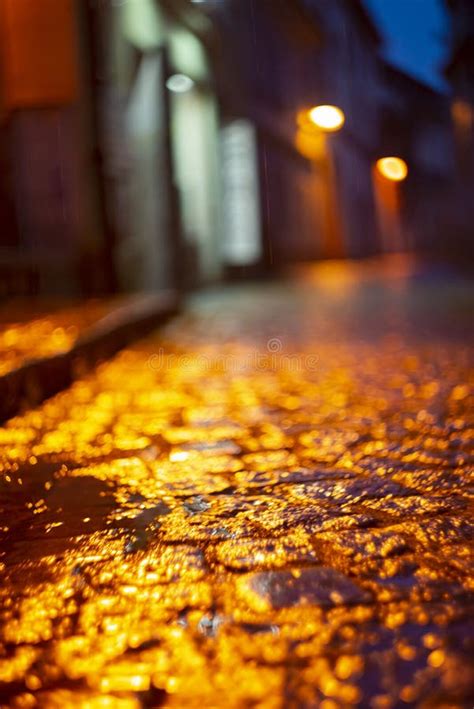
(413,32)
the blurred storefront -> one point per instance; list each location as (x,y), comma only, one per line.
(159,137)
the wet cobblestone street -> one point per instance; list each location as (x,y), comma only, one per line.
(265,504)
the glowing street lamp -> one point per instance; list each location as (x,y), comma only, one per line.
(312,142)
(327,118)
(392,168)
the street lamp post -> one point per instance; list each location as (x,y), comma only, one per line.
(388,173)
(312,142)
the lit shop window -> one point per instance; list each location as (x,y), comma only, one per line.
(242,237)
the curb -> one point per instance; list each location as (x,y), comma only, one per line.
(36,380)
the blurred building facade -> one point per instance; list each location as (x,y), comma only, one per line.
(158,132)
(349,71)
(110,173)
(151,144)
(460,73)
(416,125)
(284,58)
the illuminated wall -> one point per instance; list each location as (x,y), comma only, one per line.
(38,49)
(52,176)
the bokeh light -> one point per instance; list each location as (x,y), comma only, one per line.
(392,168)
(327,118)
(179,83)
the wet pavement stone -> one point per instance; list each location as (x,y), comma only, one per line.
(266,504)
(315,587)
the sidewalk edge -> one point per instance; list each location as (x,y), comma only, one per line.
(36,380)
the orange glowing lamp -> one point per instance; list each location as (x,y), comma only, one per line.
(392,168)
(327,118)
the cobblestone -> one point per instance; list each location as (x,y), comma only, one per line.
(212,519)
